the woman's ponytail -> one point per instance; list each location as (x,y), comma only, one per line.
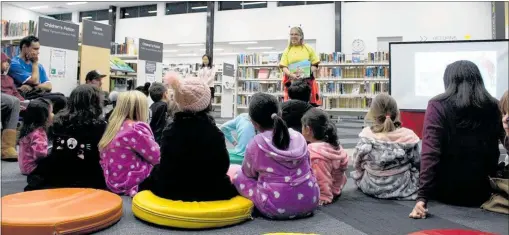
(331,135)
(281,135)
(388,124)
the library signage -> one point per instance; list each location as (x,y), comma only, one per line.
(150,67)
(228,70)
(58,34)
(150,50)
(96,34)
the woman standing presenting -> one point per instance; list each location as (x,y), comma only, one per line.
(299,52)
(207,73)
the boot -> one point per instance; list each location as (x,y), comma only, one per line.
(9,145)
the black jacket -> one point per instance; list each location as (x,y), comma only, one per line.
(74,159)
(158,117)
(293,110)
(194,161)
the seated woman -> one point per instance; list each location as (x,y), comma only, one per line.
(276,173)
(386,159)
(460,150)
(128,148)
(245,132)
(76,131)
(194,159)
(504,107)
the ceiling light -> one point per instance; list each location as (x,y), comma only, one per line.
(259,48)
(200,7)
(215,49)
(170,50)
(271,52)
(242,43)
(152,12)
(126,14)
(187,55)
(86,17)
(76,3)
(38,7)
(190,45)
(252,3)
(229,53)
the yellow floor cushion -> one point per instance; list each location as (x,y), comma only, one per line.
(191,215)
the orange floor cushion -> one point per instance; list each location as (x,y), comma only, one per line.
(59,211)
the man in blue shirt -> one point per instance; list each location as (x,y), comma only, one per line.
(30,76)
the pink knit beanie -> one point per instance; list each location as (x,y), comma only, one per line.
(190,94)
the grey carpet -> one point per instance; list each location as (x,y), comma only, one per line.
(353,213)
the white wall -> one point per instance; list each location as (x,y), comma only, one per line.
(168,29)
(369,20)
(317,22)
(16,14)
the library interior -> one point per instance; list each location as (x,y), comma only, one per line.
(326,117)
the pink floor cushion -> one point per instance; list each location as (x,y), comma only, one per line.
(450,232)
(233,169)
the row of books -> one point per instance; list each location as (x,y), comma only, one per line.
(18,29)
(11,50)
(262,73)
(349,103)
(259,59)
(354,72)
(129,47)
(371,88)
(260,87)
(243,100)
(216,100)
(340,58)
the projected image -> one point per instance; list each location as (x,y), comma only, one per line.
(430,67)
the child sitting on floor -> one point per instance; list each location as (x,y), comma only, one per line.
(194,159)
(158,113)
(299,93)
(245,132)
(387,157)
(128,148)
(329,160)
(76,131)
(276,173)
(33,139)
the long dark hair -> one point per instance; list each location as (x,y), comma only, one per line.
(264,109)
(321,126)
(465,91)
(36,116)
(144,89)
(84,106)
(210,61)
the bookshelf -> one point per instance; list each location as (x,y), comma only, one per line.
(123,78)
(218,87)
(347,82)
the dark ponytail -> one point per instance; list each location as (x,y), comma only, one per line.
(322,128)
(265,111)
(280,134)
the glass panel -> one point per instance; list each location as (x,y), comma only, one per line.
(285,4)
(66,17)
(225,6)
(319,2)
(88,15)
(129,12)
(148,10)
(197,7)
(102,15)
(254,4)
(173,8)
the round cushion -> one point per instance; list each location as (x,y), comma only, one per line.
(191,215)
(59,211)
(451,232)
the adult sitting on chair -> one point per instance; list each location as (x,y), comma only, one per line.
(30,76)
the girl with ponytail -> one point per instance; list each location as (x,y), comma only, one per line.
(387,157)
(329,160)
(276,173)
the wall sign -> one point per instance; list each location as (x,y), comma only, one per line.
(58,34)
(96,34)
(150,67)
(150,50)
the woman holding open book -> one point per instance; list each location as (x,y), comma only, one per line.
(299,61)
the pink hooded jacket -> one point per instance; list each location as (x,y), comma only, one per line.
(329,165)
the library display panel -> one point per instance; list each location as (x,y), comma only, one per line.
(417,69)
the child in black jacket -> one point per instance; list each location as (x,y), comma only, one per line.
(74,159)
(194,158)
